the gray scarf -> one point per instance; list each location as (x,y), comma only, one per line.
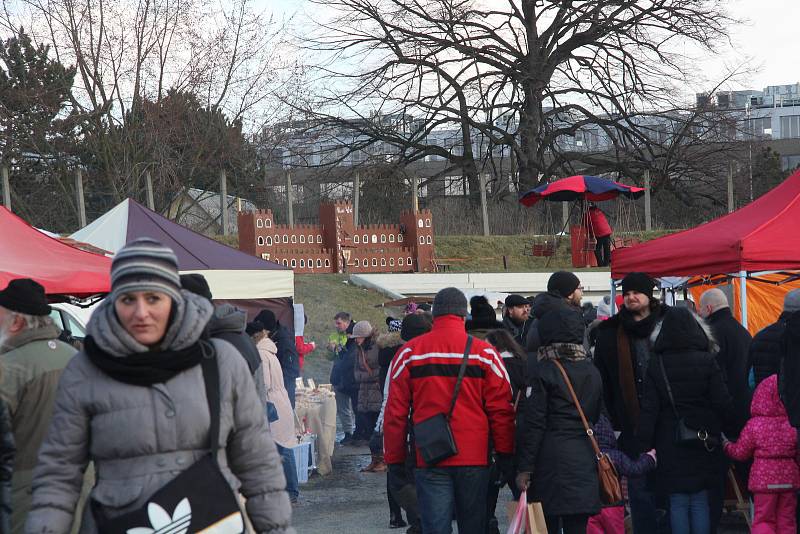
(562,351)
(189,318)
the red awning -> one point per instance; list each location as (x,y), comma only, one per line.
(25,252)
(762,236)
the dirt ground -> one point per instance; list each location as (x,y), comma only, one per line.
(350,502)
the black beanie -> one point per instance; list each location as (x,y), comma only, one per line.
(638,282)
(197,284)
(481,310)
(253,327)
(267,318)
(24,295)
(563,283)
(415,325)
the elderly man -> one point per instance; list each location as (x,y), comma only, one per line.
(32,359)
(734,346)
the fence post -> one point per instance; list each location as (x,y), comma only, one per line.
(290,198)
(356,196)
(6,187)
(148,185)
(81,200)
(731,206)
(648,214)
(484,209)
(223,201)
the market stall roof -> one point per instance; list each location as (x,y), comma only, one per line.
(25,252)
(231,273)
(761,236)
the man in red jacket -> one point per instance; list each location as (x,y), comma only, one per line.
(423,374)
(597,225)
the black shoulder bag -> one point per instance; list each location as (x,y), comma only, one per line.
(433,436)
(685,435)
(199,498)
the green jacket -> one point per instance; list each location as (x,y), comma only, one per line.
(32,364)
(340,340)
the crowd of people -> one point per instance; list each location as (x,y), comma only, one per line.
(453,403)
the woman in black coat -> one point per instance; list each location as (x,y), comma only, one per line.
(555,454)
(683,354)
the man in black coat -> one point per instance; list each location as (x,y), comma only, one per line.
(622,353)
(734,344)
(563,290)
(765,350)
(516,318)
(287,350)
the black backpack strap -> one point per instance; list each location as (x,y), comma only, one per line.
(461,371)
(210,369)
(669,389)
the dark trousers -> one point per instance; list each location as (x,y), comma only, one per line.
(404,491)
(645,513)
(568,524)
(291,386)
(394,507)
(365,424)
(289,471)
(602,251)
(442,490)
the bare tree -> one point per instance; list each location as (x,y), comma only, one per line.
(523,75)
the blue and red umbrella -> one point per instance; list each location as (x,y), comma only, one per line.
(591,188)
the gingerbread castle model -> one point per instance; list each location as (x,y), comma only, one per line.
(336,245)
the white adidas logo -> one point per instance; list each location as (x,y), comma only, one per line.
(162,523)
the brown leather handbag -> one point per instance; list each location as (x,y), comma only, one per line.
(610,489)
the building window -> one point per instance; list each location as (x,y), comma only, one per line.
(294,263)
(420,223)
(374,238)
(383,262)
(260,241)
(422,240)
(277,238)
(311,239)
(327,263)
(790,127)
(428,223)
(285,238)
(355,262)
(408,261)
(259,223)
(294,239)
(319,263)
(429,240)
(269,241)
(302,239)
(374,262)
(391,238)
(391,262)
(265,256)
(302,263)
(383,238)
(366,239)
(399,238)
(319,238)
(355,238)
(267,223)
(400,261)
(285,263)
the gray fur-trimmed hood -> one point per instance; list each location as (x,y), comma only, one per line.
(681,330)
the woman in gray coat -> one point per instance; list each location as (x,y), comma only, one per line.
(134,403)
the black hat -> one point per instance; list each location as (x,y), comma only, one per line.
(197,284)
(450,301)
(424,306)
(516,300)
(267,318)
(563,283)
(254,327)
(415,325)
(639,282)
(24,295)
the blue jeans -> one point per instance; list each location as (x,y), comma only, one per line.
(442,490)
(289,471)
(689,513)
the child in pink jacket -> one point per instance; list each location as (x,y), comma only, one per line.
(772,443)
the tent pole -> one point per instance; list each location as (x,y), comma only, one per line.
(743,296)
(613,303)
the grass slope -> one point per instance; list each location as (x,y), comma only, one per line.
(323,295)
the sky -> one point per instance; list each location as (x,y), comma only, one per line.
(767,40)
